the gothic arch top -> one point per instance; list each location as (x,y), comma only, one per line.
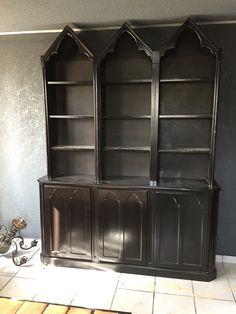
(126,28)
(203,39)
(67,31)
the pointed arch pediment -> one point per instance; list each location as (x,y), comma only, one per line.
(204,41)
(67,32)
(125,29)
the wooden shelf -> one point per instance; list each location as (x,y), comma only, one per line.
(70,116)
(186,150)
(185,116)
(126,180)
(124,82)
(127,148)
(171,183)
(186,80)
(70,83)
(116,117)
(72,147)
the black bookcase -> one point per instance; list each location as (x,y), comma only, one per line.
(131,145)
(189,67)
(69,90)
(125,104)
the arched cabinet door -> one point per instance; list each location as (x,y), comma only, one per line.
(121,223)
(179,230)
(67,217)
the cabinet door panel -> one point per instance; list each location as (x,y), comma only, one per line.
(121,217)
(56,212)
(80,223)
(169,212)
(109,226)
(193,229)
(111,231)
(179,229)
(67,215)
(134,228)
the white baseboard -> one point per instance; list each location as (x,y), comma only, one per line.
(225,259)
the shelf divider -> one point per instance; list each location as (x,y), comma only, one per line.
(71,116)
(124,82)
(185,116)
(187,80)
(127,148)
(72,147)
(185,150)
(69,82)
(126,117)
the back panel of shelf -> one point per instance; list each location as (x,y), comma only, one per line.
(70,102)
(70,99)
(72,132)
(126,75)
(73,163)
(187,78)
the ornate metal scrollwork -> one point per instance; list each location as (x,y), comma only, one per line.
(8,238)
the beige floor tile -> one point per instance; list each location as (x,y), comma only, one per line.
(20,288)
(136,282)
(4,280)
(215,289)
(173,304)
(98,279)
(229,270)
(207,306)
(174,286)
(32,269)
(36,255)
(232,282)
(137,302)
(94,297)
(55,294)
(7,267)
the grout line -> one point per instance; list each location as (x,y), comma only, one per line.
(194,300)
(178,295)
(231,290)
(138,290)
(153,300)
(6,284)
(215,299)
(115,291)
(74,296)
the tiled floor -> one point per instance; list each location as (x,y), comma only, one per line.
(110,290)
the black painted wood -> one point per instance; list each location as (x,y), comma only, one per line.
(121,220)
(126,77)
(68,215)
(179,222)
(188,87)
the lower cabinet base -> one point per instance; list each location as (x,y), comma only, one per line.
(171,273)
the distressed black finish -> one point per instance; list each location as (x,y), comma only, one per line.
(131,141)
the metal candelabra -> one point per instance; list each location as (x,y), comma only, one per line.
(8,238)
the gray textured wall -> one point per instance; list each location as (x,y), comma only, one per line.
(22,124)
(22,131)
